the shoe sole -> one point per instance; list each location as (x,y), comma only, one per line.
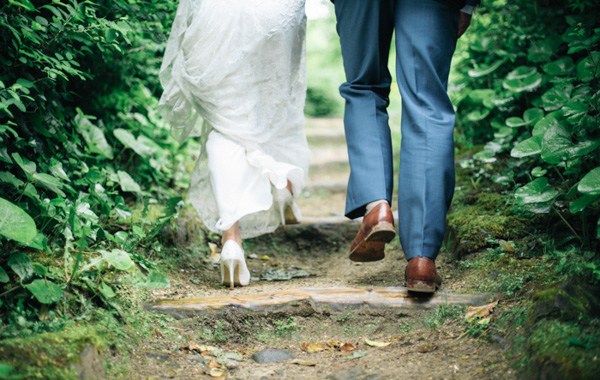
(373,246)
(421,286)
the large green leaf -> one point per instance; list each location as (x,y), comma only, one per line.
(28,167)
(547,122)
(484,69)
(536,194)
(118,258)
(532,115)
(155,280)
(522,79)
(50,182)
(94,137)
(557,96)
(15,223)
(560,67)
(589,67)
(45,291)
(21,264)
(590,183)
(478,115)
(528,147)
(557,144)
(8,177)
(127,183)
(129,140)
(582,202)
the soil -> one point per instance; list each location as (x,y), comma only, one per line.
(424,343)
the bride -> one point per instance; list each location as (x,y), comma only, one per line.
(234,74)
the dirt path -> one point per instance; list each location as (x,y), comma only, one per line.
(420,341)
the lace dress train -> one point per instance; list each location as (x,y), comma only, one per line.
(234,73)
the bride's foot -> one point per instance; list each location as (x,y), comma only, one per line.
(288,209)
(233,265)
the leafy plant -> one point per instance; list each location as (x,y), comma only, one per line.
(530,93)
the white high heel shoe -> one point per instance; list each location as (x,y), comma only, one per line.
(233,265)
(288,209)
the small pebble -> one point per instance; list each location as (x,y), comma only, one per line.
(271,355)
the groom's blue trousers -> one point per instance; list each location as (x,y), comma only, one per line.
(426,34)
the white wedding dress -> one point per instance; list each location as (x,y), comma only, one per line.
(234,73)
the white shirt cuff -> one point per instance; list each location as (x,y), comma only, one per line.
(468,9)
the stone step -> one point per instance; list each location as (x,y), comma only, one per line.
(336,299)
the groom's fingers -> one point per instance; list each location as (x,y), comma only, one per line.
(463,23)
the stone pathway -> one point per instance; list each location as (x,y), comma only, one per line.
(339,320)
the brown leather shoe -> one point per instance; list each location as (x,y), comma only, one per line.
(377,229)
(421,275)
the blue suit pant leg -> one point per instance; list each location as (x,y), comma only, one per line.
(365,29)
(426,34)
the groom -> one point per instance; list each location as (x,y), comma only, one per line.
(426,34)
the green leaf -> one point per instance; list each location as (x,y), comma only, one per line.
(555,97)
(3,276)
(50,182)
(516,81)
(26,4)
(94,137)
(127,183)
(560,67)
(6,369)
(538,171)
(28,167)
(574,111)
(582,202)
(590,183)
(558,146)
(15,223)
(479,96)
(106,290)
(547,122)
(478,115)
(45,291)
(484,70)
(540,51)
(533,115)
(528,147)
(118,258)
(21,264)
(56,168)
(155,280)
(7,177)
(4,157)
(538,194)
(127,139)
(589,67)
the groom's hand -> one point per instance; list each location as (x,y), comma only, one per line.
(463,23)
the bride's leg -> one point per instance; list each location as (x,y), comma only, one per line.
(232,234)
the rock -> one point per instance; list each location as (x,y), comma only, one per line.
(89,366)
(354,374)
(271,355)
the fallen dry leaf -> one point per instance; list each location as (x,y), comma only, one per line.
(334,344)
(427,348)
(356,355)
(313,347)
(214,254)
(265,257)
(303,363)
(374,343)
(214,372)
(347,347)
(482,311)
(213,364)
